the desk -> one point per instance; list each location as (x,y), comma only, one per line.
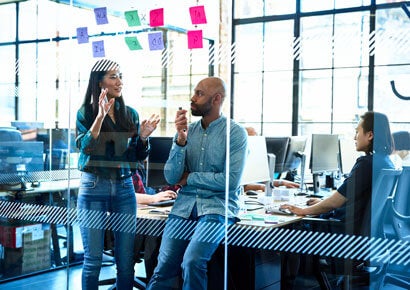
(254,260)
(253,246)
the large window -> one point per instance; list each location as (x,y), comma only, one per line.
(314,66)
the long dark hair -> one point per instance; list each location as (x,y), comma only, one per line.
(378,123)
(122,118)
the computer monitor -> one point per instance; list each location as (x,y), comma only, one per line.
(160,147)
(347,154)
(324,156)
(279,147)
(256,164)
(295,158)
(296,149)
(20,158)
(58,139)
(56,157)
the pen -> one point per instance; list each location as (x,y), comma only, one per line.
(180,108)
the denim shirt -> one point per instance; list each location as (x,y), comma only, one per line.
(204,157)
(112,154)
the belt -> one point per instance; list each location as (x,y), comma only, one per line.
(114,175)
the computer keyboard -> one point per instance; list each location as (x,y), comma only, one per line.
(163,203)
(275,208)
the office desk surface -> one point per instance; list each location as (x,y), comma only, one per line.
(55,185)
(257,218)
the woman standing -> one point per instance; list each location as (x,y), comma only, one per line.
(111,140)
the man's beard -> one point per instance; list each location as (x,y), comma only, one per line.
(202,110)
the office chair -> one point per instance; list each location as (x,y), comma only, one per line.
(399,205)
(351,272)
(10,134)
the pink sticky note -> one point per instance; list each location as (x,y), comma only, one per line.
(197,14)
(195,39)
(101,15)
(156,17)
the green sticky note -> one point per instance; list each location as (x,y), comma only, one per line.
(133,43)
(258,217)
(132,18)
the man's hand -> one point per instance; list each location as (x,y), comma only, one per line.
(184,179)
(181,124)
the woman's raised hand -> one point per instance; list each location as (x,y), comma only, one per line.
(148,126)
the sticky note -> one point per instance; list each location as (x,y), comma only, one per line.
(133,43)
(98,48)
(197,14)
(156,41)
(156,17)
(101,15)
(82,35)
(132,18)
(195,39)
(271,220)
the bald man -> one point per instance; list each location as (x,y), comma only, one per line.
(197,161)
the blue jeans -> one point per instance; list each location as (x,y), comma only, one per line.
(107,204)
(187,245)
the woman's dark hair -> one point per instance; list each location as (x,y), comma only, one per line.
(378,123)
(98,71)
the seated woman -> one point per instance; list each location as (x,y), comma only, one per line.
(353,197)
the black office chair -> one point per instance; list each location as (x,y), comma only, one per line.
(400,209)
(350,272)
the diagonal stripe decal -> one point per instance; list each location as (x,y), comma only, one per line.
(275,239)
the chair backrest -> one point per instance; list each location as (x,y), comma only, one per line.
(401,203)
(10,134)
(383,187)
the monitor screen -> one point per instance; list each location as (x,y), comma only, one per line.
(297,144)
(279,147)
(325,153)
(256,165)
(21,157)
(158,156)
(347,154)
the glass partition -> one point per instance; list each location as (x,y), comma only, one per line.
(48,51)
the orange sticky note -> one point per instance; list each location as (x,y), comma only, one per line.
(156,17)
(195,39)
